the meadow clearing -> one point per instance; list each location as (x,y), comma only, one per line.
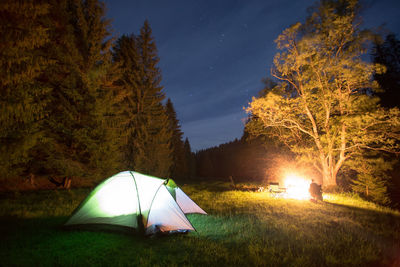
(243,228)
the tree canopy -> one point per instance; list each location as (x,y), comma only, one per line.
(73,102)
(146,126)
(22,92)
(323,107)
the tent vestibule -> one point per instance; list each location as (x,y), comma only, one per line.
(138,201)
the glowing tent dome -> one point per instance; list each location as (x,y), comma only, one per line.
(138,201)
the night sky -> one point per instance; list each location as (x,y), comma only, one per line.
(213,54)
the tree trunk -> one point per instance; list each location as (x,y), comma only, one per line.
(32,179)
(328,174)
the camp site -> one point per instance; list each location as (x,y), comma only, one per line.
(200,133)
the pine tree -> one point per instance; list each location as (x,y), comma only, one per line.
(147,132)
(81,140)
(190,161)
(155,153)
(372,178)
(98,75)
(127,56)
(22,94)
(180,164)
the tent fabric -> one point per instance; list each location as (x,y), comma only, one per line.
(171,186)
(165,214)
(186,203)
(147,186)
(113,201)
(138,201)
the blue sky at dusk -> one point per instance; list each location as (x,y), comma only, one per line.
(214,54)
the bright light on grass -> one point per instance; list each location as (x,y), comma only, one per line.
(296,186)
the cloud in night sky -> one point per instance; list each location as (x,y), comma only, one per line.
(213,54)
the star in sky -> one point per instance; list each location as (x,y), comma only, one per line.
(214,54)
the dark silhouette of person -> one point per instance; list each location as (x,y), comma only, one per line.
(315,191)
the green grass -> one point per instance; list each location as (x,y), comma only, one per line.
(242,229)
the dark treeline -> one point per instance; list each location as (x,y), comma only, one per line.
(387,53)
(237,159)
(244,160)
(76,102)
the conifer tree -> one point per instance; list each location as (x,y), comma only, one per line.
(153,153)
(22,93)
(147,132)
(81,141)
(190,161)
(372,179)
(388,54)
(180,164)
(127,56)
(58,155)
(98,75)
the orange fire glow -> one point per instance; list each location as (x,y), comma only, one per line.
(296,186)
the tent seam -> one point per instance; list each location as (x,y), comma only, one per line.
(151,204)
(184,212)
(137,195)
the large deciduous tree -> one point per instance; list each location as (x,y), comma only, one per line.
(323,106)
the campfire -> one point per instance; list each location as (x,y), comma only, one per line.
(293,186)
(297,187)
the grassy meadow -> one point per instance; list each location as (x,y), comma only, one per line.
(242,229)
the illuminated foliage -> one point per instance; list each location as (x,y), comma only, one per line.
(80,140)
(67,107)
(322,107)
(22,101)
(372,179)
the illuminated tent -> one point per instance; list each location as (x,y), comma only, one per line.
(138,201)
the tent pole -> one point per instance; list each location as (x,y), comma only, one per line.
(139,216)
